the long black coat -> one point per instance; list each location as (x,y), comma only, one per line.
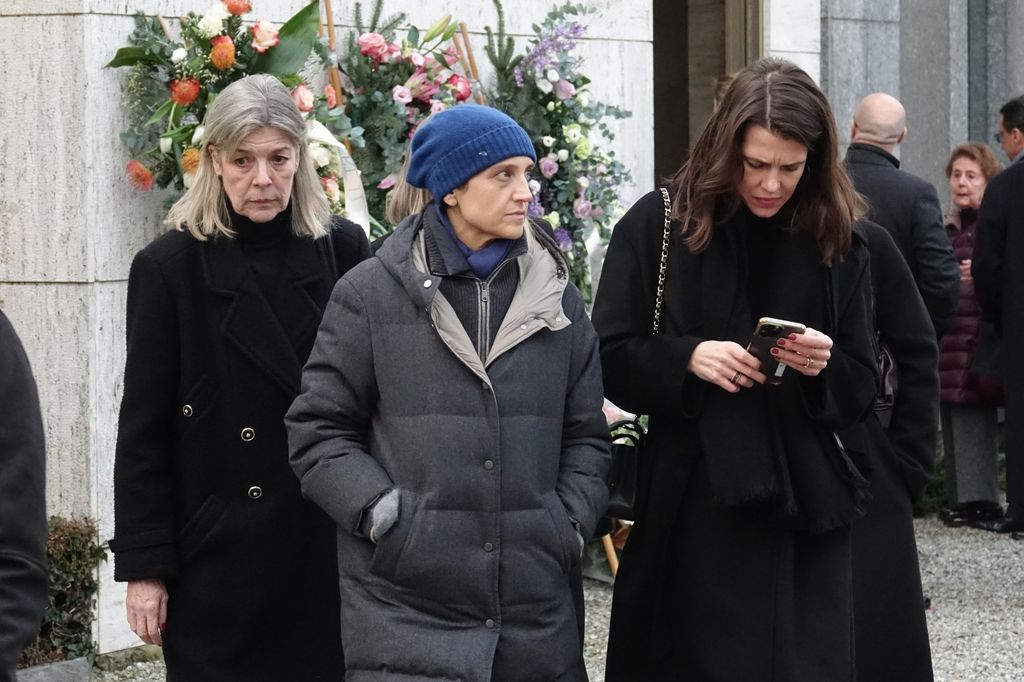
(204,497)
(891,633)
(708,592)
(908,207)
(22,503)
(998,271)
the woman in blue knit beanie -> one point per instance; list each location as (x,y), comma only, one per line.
(451,424)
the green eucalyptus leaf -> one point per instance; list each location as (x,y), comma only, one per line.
(413,36)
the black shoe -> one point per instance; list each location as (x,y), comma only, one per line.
(1007,524)
(969,513)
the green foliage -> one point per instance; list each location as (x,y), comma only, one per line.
(74,555)
(297,37)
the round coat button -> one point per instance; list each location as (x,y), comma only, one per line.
(488,547)
(488,464)
(255,492)
(248,434)
(427,283)
(186,410)
(489,623)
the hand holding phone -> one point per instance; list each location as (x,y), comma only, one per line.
(766,336)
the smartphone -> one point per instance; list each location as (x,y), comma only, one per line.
(767,332)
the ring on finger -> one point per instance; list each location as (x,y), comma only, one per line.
(810,361)
(734,378)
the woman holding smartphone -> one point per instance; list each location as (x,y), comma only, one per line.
(738,566)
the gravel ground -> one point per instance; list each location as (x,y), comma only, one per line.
(975,581)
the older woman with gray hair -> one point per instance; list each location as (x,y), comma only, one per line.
(228,567)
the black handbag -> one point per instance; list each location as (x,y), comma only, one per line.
(889,383)
(628,435)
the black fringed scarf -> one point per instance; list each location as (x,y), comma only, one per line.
(761,445)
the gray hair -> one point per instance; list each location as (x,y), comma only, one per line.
(242,108)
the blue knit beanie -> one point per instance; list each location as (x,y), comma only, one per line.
(456,144)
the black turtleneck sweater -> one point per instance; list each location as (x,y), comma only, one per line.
(762,239)
(264,246)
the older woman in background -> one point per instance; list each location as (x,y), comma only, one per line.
(227,566)
(970,394)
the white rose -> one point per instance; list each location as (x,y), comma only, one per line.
(545,86)
(197,136)
(583,100)
(179,55)
(583,182)
(547,141)
(534,186)
(165,145)
(551,106)
(210,26)
(219,10)
(563,154)
(552,76)
(573,135)
(320,154)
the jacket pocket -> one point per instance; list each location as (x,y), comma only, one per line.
(565,534)
(388,549)
(200,527)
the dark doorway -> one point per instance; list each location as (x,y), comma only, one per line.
(671,87)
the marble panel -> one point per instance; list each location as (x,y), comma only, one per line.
(792,26)
(869,10)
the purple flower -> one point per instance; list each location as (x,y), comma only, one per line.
(535,210)
(563,239)
(581,208)
(564,89)
(548,167)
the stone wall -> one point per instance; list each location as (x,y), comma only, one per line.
(70,223)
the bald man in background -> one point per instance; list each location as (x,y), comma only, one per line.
(904,204)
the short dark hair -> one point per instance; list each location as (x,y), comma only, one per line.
(1013,114)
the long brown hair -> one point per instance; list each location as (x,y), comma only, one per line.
(780,96)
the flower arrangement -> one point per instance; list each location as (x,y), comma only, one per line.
(391,84)
(171,82)
(576,188)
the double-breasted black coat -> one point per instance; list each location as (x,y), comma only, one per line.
(204,496)
(22,503)
(891,632)
(998,271)
(908,207)
(708,591)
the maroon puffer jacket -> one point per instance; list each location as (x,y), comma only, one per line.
(961,386)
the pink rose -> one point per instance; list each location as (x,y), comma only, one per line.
(581,208)
(437,106)
(393,53)
(450,55)
(548,167)
(373,45)
(596,212)
(332,96)
(331,189)
(388,182)
(461,87)
(400,93)
(564,89)
(303,97)
(264,36)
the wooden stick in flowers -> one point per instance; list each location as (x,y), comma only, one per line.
(164,27)
(473,73)
(333,74)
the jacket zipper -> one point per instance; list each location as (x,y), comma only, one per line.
(483,318)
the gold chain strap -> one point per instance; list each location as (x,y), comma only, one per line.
(663,266)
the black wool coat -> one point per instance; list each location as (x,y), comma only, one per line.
(998,271)
(705,591)
(908,207)
(891,633)
(22,503)
(203,494)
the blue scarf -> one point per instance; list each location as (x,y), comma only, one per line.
(484,261)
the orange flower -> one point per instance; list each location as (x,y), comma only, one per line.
(222,54)
(238,7)
(190,160)
(332,96)
(140,176)
(184,91)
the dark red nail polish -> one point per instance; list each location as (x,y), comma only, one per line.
(775,351)
(782,342)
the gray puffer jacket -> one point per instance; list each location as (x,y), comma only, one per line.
(494,461)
